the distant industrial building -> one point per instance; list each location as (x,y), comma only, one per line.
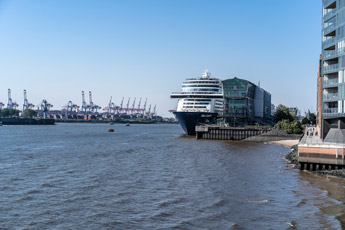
(245,103)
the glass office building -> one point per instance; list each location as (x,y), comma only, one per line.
(331,81)
(245,103)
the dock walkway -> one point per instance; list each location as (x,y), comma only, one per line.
(315,153)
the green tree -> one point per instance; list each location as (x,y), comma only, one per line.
(305,120)
(291,127)
(283,113)
(14,112)
(9,113)
(29,113)
(5,112)
(311,120)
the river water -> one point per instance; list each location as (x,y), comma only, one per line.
(80,176)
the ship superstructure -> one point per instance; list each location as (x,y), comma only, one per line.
(200,100)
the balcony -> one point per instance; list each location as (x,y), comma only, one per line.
(330,68)
(330,54)
(331,110)
(329,15)
(327,3)
(329,28)
(329,41)
(329,83)
(331,96)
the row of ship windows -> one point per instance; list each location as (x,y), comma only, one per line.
(202,82)
(190,107)
(197,99)
(200,90)
(215,86)
(196,103)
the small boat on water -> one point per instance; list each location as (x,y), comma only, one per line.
(111,130)
(111,123)
(127,124)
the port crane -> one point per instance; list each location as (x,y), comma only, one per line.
(154,111)
(111,108)
(121,107)
(84,106)
(70,108)
(127,106)
(44,104)
(26,104)
(92,106)
(133,107)
(11,104)
(138,108)
(144,108)
(149,111)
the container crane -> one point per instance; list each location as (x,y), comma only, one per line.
(92,107)
(138,108)
(133,106)
(149,111)
(144,108)
(121,106)
(43,108)
(26,104)
(127,106)
(111,108)
(44,104)
(70,107)
(154,111)
(10,103)
(84,106)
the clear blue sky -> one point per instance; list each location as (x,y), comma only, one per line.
(55,49)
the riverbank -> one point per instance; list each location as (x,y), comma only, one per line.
(276,136)
(292,158)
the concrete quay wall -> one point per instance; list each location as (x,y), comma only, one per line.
(321,156)
(227,133)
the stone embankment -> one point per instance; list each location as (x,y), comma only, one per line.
(275,135)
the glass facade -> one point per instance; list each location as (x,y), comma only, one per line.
(242,105)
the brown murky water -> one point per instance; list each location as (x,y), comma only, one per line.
(79,176)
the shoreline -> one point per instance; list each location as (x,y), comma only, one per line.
(292,158)
(287,143)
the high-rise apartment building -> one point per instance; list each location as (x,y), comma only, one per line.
(331,81)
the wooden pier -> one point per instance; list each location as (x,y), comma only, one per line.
(227,133)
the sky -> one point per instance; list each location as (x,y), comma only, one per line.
(146,48)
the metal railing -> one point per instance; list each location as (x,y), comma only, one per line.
(333,53)
(331,110)
(329,14)
(330,96)
(329,41)
(329,54)
(330,82)
(328,2)
(329,28)
(330,67)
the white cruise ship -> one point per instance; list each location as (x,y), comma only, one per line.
(199,101)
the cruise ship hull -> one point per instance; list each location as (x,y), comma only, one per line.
(188,120)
